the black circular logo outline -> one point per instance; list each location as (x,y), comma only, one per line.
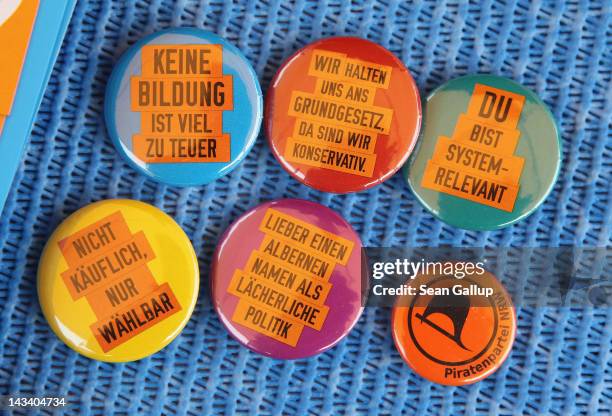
(450,363)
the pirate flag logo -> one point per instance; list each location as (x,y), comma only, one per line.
(449,332)
(456,308)
(449,328)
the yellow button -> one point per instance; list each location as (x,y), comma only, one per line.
(118,280)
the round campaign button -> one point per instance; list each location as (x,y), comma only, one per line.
(342,114)
(489,153)
(183,106)
(287,279)
(118,280)
(454,331)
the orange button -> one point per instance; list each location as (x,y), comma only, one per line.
(342,114)
(454,331)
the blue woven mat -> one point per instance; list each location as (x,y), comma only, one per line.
(561,361)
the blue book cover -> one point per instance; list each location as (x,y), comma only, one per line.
(20,106)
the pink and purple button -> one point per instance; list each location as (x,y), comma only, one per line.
(287,279)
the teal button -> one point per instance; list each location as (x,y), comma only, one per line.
(488,155)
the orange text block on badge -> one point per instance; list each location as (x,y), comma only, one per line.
(375,119)
(267,323)
(328,134)
(114,295)
(308,236)
(328,157)
(108,266)
(305,284)
(278,299)
(94,239)
(486,136)
(325,64)
(367,73)
(452,181)
(168,149)
(345,91)
(180,61)
(181,94)
(468,158)
(203,123)
(496,106)
(336,66)
(294,255)
(135,318)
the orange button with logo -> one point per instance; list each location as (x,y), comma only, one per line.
(454,331)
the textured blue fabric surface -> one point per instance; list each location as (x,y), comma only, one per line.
(561,361)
